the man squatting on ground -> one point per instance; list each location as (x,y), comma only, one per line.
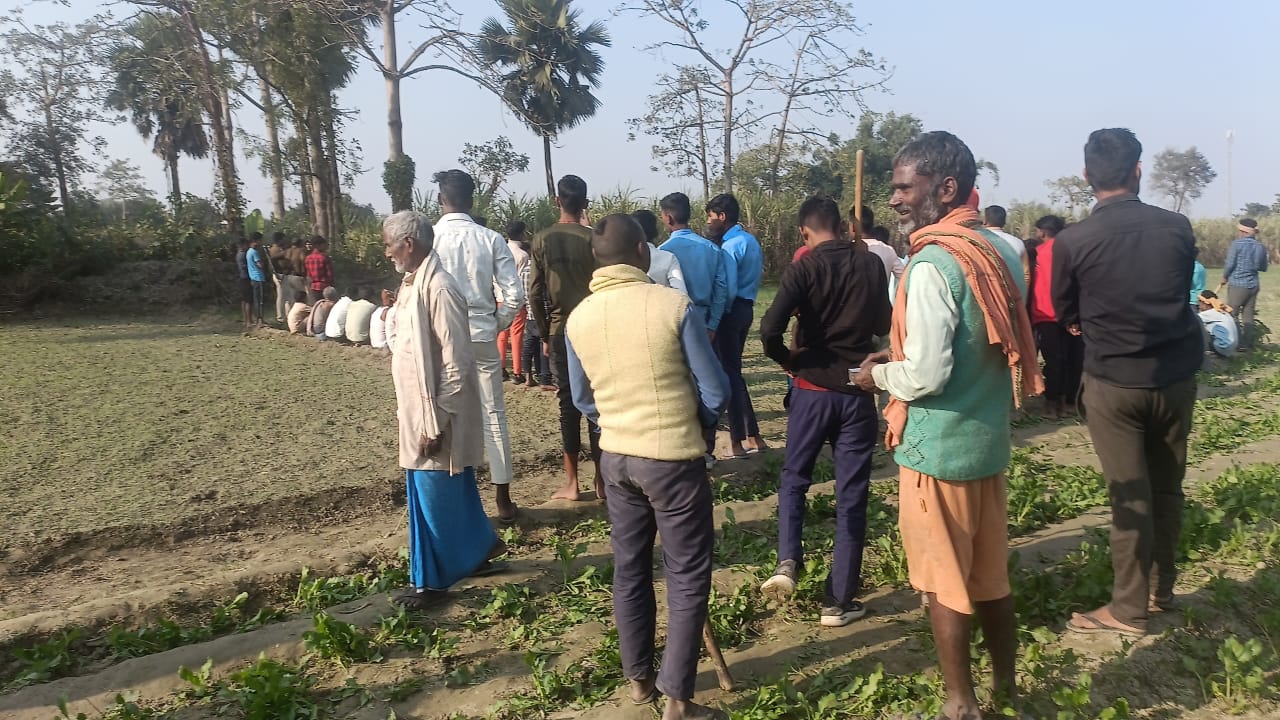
(840,294)
(438,411)
(643,369)
(1139,370)
(481,263)
(962,353)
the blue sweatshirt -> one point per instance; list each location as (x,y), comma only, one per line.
(706,278)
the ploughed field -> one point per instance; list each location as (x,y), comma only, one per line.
(208,524)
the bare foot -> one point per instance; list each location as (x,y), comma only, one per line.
(687,710)
(758,444)
(506,508)
(569,491)
(599,489)
(736,449)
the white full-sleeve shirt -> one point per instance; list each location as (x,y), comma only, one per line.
(485,271)
(932,319)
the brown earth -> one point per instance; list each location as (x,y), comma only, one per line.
(155,467)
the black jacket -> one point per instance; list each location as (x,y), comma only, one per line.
(841,295)
(1123,275)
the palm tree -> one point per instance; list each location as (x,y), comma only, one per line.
(549,65)
(162,101)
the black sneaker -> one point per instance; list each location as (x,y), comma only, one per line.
(783,583)
(836,616)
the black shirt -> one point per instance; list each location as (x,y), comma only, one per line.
(842,297)
(1123,275)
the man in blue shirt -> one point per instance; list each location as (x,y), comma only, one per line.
(257,267)
(742,253)
(706,275)
(1246,258)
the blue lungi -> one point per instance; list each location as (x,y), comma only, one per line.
(449,533)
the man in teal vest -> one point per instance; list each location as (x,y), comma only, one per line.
(643,370)
(961,339)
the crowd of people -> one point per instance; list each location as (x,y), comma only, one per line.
(646,343)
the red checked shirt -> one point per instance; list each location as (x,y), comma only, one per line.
(319,270)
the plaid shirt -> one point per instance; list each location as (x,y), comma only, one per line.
(319,270)
(1245,259)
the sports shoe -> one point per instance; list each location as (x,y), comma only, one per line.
(836,616)
(783,583)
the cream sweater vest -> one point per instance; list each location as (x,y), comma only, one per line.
(626,334)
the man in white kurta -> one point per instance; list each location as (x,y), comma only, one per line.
(438,411)
(481,263)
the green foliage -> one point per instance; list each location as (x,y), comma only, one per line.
(271,690)
(1182,175)
(734,617)
(580,684)
(46,660)
(490,164)
(398,176)
(1042,492)
(339,641)
(123,707)
(844,692)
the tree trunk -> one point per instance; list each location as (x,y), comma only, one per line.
(780,146)
(64,195)
(276,160)
(175,186)
(391,61)
(727,85)
(215,107)
(320,195)
(335,176)
(546,158)
(702,142)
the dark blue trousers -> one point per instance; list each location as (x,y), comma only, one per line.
(849,424)
(731,341)
(647,497)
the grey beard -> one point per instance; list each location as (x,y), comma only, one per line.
(399,266)
(929,212)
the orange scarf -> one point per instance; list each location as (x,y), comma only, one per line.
(993,285)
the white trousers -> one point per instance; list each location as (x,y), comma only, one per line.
(497,443)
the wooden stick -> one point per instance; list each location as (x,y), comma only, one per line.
(713,649)
(857,191)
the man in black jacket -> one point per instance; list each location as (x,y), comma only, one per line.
(841,295)
(1143,345)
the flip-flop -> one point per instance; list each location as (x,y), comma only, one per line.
(1097,627)
(419,599)
(755,451)
(649,699)
(491,567)
(743,456)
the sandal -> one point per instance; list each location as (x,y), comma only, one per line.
(1088,624)
(419,599)
(491,567)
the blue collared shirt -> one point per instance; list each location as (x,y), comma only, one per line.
(1245,260)
(748,261)
(706,277)
(708,376)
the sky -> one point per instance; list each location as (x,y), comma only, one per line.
(1023,83)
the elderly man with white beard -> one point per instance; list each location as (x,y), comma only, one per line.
(438,411)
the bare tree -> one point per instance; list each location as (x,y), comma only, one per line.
(681,116)
(821,77)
